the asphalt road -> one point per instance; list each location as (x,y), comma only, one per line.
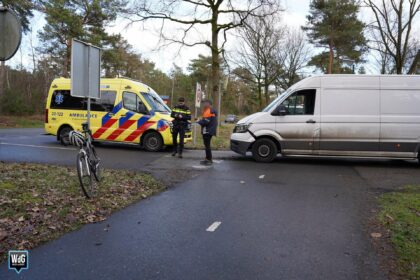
(31,145)
(292,219)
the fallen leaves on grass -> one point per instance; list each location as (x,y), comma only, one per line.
(42,202)
(3,235)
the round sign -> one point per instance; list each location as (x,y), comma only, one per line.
(10,34)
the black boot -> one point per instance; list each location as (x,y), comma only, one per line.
(180,148)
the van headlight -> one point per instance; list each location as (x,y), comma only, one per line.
(241,128)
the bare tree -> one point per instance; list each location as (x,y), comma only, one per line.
(383,59)
(294,56)
(415,64)
(257,56)
(271,54)
(32,48)
(220,15)
(393,23)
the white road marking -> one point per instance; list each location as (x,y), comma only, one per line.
(261,176)
(213,226)
(35,146)
(201,167)
(217,161)
(242,182)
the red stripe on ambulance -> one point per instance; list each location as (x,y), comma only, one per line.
(104,128)
(120,130)
(136,133)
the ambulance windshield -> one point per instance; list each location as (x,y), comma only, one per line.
(156,102)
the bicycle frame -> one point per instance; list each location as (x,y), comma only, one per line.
(87,148)
(82,150)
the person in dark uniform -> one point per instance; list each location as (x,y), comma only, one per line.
(182,115)
(208,124)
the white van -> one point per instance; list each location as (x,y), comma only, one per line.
(337,115)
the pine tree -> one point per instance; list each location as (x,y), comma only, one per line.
(333,24)
(80,19)
(23,8)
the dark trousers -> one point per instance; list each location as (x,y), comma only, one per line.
(207,145)
(178,130)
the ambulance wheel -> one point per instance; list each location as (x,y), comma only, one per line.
(264,150)
(64,135)
(152,142)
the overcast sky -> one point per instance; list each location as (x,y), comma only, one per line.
(146,40)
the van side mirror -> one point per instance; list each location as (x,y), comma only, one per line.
(280,111)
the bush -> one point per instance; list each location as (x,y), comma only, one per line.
(24,94)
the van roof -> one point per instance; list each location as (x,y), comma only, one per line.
(352,80)
(123,81)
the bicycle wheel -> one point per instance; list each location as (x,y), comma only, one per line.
(85,176)
(95,164)
(97,171)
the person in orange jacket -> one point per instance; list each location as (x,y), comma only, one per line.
(208,124)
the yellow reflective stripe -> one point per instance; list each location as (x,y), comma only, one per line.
(181,111)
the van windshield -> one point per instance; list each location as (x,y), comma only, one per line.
(156,102)
(276,101)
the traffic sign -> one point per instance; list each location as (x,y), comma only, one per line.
(85,70)
(11,33)
(198,96)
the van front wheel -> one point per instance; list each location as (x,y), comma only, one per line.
(153,142)
(64,135)
(264,150)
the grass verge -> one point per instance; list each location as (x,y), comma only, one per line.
(42,202)
(220,142)
(400,215)
(36,121)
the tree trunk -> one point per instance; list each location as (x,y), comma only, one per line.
(331,58)
(383,67)
(414,64)
(2,81)
(260,98)
(2,77)
(66,64)
(398,63)
(215,61)
(266,93)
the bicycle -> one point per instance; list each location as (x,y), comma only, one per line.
(88,162)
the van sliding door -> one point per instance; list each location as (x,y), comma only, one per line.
(350,121)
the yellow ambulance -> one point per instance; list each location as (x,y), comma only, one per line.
(128,111)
